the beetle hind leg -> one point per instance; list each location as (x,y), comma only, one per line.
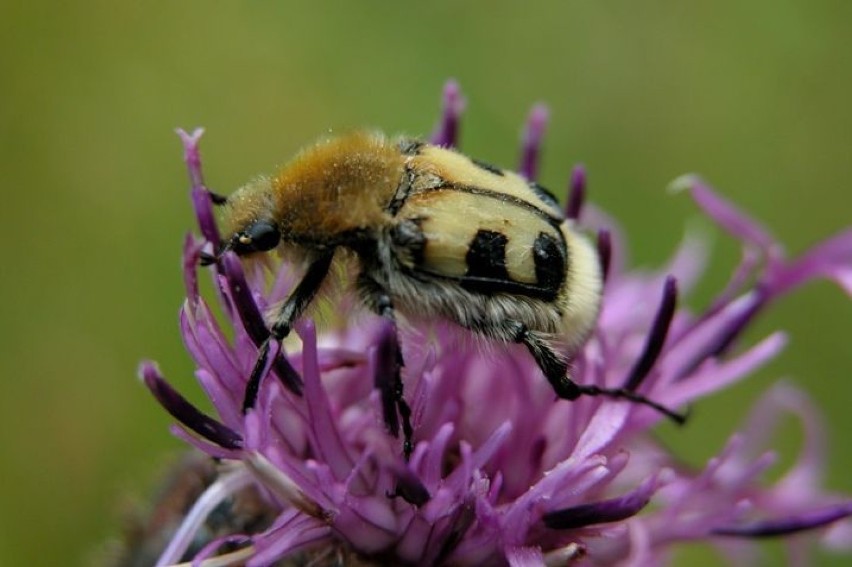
(555,369)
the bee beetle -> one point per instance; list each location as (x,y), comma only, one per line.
(434,234)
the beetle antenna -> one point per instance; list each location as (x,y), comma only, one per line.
(217,198)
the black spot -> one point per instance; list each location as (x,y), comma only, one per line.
(410,147)
(486,256)
(544,194)
(488,167)
(549,257)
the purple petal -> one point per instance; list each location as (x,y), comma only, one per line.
(800,483)
(568,475)
(326,436)
(200,196)
(531,141)
(576,192)
(447,131)
(224,399)
(206,218)
(253,320)
(831,259)
(224,487)
(486,450)
(203,445)
(461,522)
(191,254)
(191,155)
(606,423)
(656,338)
(284,486)
(209,550)
(185,412)
(595,478)
(596,220)
(716,376)
(641,551)
(433,460)
(688,262)
(207,345)
(241,295)
(810,520)
(703,341)
(414,544)
(726,214)
(367,521)
(744,273)
(478,459)
(605,511)
(293,532)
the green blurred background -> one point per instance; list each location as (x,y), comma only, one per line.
(756,97)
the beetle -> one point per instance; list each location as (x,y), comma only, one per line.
(433,234)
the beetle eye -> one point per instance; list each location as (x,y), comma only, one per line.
(258,237)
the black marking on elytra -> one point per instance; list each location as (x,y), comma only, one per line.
(490,286)
(488,167)
(549,257)
(403,190)
(546,215)
(544,194)
(409,236)
(485,286)
(604,252)
(410,147)
(486,255)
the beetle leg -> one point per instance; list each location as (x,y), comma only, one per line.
(555,368)
(288,313)
(393,400)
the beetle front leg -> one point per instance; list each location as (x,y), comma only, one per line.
(289,312)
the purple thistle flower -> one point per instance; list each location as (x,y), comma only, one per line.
(502,473)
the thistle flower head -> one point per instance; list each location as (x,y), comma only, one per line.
(501,472)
